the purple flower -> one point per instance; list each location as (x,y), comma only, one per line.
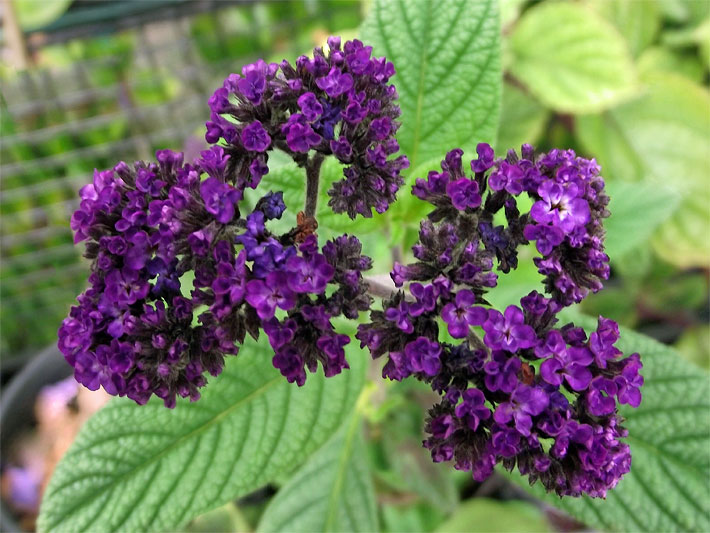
(265,296)
(255,138)
(570,365)
(462,314)
(485,159)
(219,199)
(310,106)
(308,275)
(546,237)
(600,396)
(562,207)
(300,135)
(464,194)
(335,82)
(509,331)
(290,364)
(424,356)
(400,316)
(630,381)
(501,372)
(332,346)
(525,402)
(472,409)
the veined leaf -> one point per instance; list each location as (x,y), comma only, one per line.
(668,488)
(147,468)
(447,57)
(332,492)
(571,59)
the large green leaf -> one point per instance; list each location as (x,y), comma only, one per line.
(662,137)
(147,468)
(668,488)
(522,120)
(637,209)
(447,56)
(571,59)
(332,492)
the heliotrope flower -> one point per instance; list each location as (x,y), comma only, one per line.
(140,330)
(527,381)
(336,103)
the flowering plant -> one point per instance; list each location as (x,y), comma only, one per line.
(191,260)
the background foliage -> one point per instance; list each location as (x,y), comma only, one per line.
(623,81)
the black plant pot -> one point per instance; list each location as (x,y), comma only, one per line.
(17,406)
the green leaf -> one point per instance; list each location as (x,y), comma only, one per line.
(661,137)
(637,209)
(447,57)
(492,516)
(332,492)
(522,120)
(148,468)
(638,21)
(31,15)
(668,488)
(662,59)
(571,59)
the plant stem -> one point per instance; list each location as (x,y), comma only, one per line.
(312,179)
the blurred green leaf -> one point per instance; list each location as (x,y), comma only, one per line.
(689,12)
(33,14)
(447,56)
(662,59)
(571,59)
(420,517)
(662,137)
(522,120)
(694,345)
(332,492)
(637,20)
(494,516)
(668,488)
(637,209)
(225,519)
(509,10)
(148,468)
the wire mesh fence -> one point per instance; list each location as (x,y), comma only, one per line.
(113,88)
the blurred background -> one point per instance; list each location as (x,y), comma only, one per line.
(85,84)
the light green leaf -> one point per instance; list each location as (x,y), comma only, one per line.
(571,59)
(332,492)
(662,59)
(447,57)
(662,137)
(668,488)
(32,14)
(638,20)
(522,120)
(637,209)
(494,516)
(148,468)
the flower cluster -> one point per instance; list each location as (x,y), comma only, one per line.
(529,392)
(336,104)
(140,329)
